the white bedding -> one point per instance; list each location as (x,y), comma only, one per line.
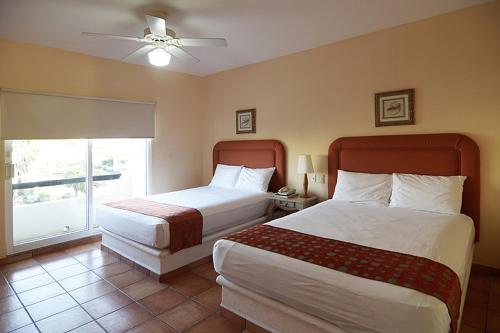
(355,304)
(220,207)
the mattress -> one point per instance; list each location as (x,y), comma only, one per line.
(220,207)
(352,303)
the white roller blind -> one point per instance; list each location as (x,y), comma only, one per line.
(30,115)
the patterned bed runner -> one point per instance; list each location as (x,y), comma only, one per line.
(404,270)
(185,224)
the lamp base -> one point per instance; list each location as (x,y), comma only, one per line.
(306,183)
(304,196)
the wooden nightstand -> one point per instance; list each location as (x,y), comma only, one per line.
(289,205)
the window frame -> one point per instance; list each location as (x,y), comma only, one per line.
(89,231)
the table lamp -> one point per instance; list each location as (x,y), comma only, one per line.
(305,166)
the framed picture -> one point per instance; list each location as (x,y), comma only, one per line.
(395,108)
(245,121)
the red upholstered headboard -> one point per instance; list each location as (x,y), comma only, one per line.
(254,154)
(427,154)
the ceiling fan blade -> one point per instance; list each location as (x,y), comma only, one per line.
(157,25)
(181,54)
(139,52)
(213,42)
(96,34)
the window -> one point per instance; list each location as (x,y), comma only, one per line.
(56,185)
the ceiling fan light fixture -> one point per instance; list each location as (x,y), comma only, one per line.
(159,57)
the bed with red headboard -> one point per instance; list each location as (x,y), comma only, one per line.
(145,239)
(254,154)
(422,154)
(280,293)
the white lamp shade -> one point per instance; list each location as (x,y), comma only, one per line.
(304,164)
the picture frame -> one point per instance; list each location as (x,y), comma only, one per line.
(245,121)
(394,108)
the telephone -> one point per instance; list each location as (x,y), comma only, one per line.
(286,191)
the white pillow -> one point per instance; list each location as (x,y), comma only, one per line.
(367,188)
(226,175)
(254,179)
(437,194)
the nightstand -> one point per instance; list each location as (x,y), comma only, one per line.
(289,205)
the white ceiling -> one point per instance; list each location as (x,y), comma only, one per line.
(256,30)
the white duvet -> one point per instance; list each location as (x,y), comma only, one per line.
(220,207)
(352,303)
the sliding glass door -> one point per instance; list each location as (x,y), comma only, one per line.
(55,185)
(119,170)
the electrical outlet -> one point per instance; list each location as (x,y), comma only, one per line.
(318,178)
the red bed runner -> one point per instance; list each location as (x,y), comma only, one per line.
(418,273)
(185,224)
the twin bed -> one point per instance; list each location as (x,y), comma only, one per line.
(145,239)
(282,293)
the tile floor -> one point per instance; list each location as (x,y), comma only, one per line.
(86,290)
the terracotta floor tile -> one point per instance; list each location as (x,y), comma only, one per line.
(152,326)
(234,318)
(251,327)
(207,271)
(125,279)
(69,271)
(8,304)
(19,265)
(215,324)
(83,248)
(143,288)
(32,282)
(468,329)
(91,291)
(106,304)
(90,254)
(64,321)
(203,267)
(474,317)
(53,256)
(12,320)
(2,280)
(59,263)
(80,280)
(493,322)
(5,290)
(26,329)
(494,302)
(124,319)
(40,294)
(185,315)
(23,273)
(97,262)
(111,270)
(495,285)
(190,284)
(51,306)
(211,298)
(480,282)
(162,301)
(92,327)
(209,275)
(477,298)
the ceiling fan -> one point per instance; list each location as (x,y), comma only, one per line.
(162,42)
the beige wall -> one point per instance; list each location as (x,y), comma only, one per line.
(176,158)
(308,99)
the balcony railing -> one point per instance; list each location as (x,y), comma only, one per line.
(66,181)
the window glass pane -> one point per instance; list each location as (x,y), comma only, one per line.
(49,189)
(119,169)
